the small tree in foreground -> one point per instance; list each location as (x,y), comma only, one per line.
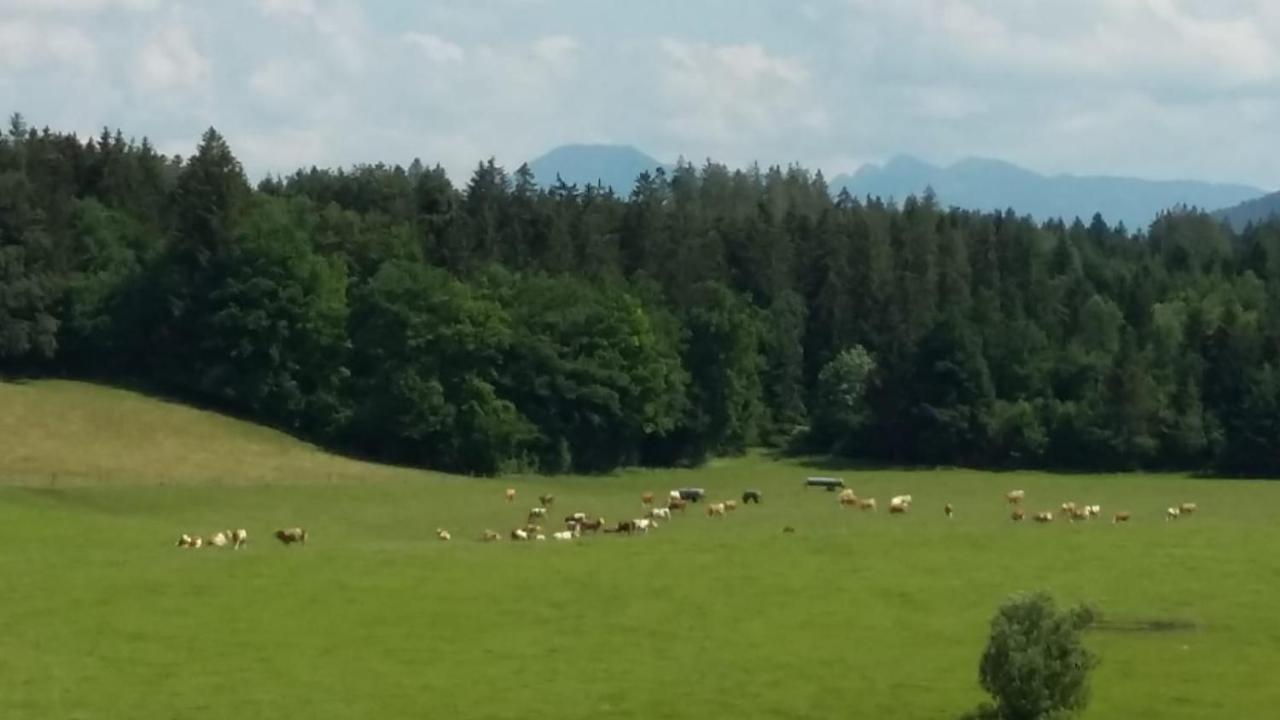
(1036,665)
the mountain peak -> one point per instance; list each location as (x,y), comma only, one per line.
(615,166)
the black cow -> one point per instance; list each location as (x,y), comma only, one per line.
(751,496)
(692,494)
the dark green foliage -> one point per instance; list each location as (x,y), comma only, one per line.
(592,371)
(519,321)
(951,395)
(722,355)
(841,410)
(1035,665)
(427,351)
(272,333)
(110,250)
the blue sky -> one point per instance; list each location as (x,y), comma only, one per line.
(1152,88)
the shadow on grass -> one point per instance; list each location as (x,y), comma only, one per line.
(1144,625)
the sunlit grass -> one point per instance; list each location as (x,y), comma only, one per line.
(854,615)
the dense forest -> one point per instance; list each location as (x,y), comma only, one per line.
(501,326)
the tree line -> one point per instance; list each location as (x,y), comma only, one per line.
(502,326)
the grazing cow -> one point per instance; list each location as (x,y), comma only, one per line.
(538,512)
(546,500)
(730,505)
(1068,508)
(788,530)
(1015,496)
(1044,517)
(511,494)
(185,540)
(518,534)
(592,525)
(491,536)
(901,500)
(750,496)
(644,525)
(867,504)
(646,498)
(692,494)
(1187,508)
(947,509)
(1120,517)
(239,538)
(715,509)
(289,536)
(626,527)
(674,495)
(443,534)
(663,513)
(1172,514)
(220,539)
(677,504)
(1093,510)
(1017,515)
(197,542)
(848,498)
(575,518)
(1079,514)
(898,509)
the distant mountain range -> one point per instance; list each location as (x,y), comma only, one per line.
(1251,211)
(615,166)
(975,183)
(982,184)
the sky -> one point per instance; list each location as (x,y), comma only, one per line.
(1167,89)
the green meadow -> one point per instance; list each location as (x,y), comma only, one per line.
(855,615)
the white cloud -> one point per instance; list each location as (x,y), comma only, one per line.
(437,49)
(282,80)
(284,149)
(339,27)
(171,61)
(1152,44)
(74,6)
(24,44)
(558,52)
(283,8)
(727,93)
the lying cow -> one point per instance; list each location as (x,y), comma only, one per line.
(289,536)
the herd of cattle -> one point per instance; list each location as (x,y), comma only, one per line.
(677,501)
(578,523)
(236,539)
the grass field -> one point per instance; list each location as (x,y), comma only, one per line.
(854,616)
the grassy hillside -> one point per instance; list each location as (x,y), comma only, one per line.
(855,615)
(60,432)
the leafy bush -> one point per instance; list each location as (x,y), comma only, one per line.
(1036,665)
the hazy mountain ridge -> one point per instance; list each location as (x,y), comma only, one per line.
(1251,211)
(971,183)
(984,184)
